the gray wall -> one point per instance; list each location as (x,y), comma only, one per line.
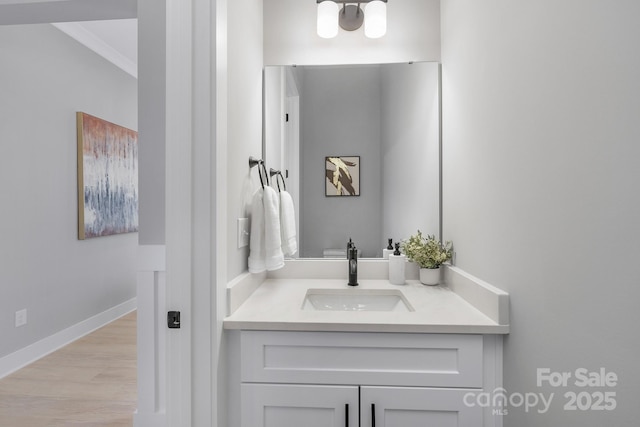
(541,147)
(410,150)
(44,11)
(340,116)
(45,78)
(390,116)
(152,130)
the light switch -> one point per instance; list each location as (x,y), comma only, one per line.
(21,318)
(243,232)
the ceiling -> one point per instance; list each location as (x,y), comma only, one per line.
(116,40)
(16,12)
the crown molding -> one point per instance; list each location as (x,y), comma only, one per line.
(90,40)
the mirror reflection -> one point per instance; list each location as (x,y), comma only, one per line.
(377,124)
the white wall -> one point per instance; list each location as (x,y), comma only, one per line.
(244,119)
(45,78)
(290,37)
(541,131)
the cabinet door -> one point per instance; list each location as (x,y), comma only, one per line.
(280,405)
(417,407)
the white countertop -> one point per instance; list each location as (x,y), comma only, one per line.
(276,304)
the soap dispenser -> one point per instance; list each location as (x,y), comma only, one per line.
(350,245)
(388,250)
(396,267)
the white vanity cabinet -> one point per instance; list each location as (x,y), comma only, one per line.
(362,379)
(279,405)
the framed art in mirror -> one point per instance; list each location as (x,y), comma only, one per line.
(342,176)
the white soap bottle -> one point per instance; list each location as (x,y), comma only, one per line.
(388,250)
(396,267)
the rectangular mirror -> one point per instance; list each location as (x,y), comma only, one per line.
(376,128)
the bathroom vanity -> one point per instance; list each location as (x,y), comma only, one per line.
(313,352)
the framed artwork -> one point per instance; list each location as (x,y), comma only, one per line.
(342,176)
(107,178)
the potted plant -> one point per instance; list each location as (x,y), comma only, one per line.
(429,253)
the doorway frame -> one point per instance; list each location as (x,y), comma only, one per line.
(190,126)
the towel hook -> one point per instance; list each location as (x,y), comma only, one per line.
(284,184)
(273,172)
(259,162)
(264,170)
(253,162)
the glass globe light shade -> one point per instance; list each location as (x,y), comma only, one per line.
(328,19)
(375,19)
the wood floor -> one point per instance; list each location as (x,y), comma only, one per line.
(90,382)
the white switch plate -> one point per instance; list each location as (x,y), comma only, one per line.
(243,232)
(21,317)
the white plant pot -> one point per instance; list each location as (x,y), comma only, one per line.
(430,276)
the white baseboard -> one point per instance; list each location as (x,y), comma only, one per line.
(25,356)
(156,419)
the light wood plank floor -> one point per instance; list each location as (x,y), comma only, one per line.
(90,382)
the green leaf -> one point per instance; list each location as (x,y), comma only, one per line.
(427,252)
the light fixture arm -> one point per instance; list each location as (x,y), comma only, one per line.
(351,17)
(358,2)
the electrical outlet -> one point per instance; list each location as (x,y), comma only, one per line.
(21,317)
(243,232)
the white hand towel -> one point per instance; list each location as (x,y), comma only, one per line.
(288,224)
(274,258)
(257,251)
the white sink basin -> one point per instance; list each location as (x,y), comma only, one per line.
(355,300)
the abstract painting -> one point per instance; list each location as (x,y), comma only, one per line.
(342,176)
(107,178)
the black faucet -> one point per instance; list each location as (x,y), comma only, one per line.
(352,258)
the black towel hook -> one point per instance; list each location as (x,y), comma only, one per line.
(266,177)
(273,172)
(284,184)
(254,162)
(261,168)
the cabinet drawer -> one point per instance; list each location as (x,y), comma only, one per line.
(433,360)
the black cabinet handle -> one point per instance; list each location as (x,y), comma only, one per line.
(373,415)
(346,415)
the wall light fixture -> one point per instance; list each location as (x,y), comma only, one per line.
(351,17)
